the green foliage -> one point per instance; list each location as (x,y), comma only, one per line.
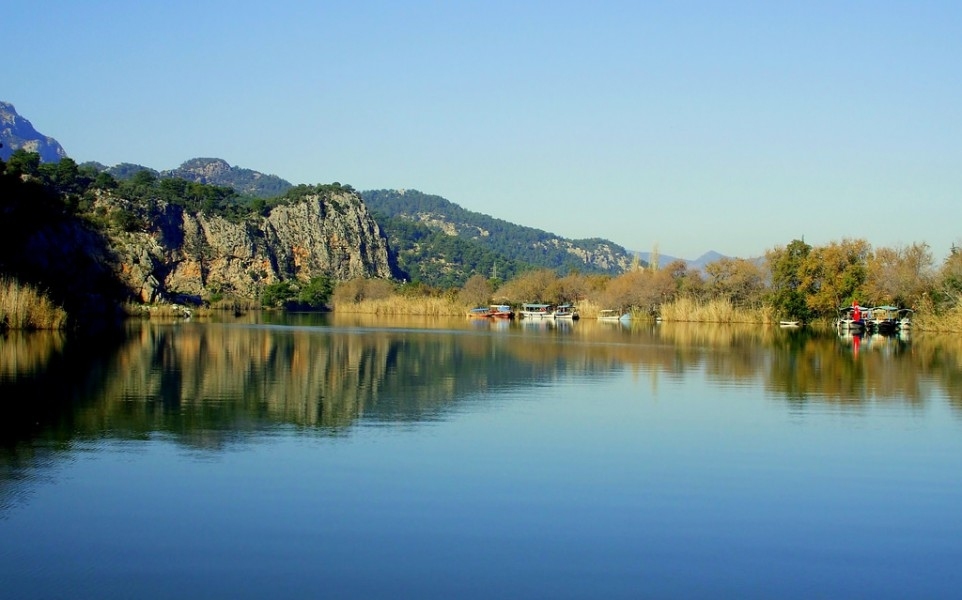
(433,258)
(786,293)
(316,293)
(145,187)
(126,220)
(511,244)
(276,295)
(22,162)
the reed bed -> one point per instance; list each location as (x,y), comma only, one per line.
(400,305)
(24,307)
(712,311)
(949,321)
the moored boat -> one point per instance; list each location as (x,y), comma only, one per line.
(535,311)
(565,311)
(904,319)
(882,319)
(501,311)
(609,315)
(850,319)
(479,313)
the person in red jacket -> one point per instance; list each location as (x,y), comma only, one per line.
(857,315)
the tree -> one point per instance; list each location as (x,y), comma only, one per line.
(899,275)
(787,295)
(834,275)
(22,162)
(737,280)
(949,278)
(476,291)
(317,292)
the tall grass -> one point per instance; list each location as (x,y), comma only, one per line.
(945,322)
(712,311)
(24,307)
(403,305)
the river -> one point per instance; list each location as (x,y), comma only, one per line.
(358,457)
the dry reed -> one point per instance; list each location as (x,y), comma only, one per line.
(712,311)
(946,322)
(24,307)
(401,305)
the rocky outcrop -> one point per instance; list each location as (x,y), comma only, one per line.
(169,254)
(18,133)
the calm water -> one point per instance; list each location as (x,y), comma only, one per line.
(316,456)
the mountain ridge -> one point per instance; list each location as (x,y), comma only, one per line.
(486,240)
(18,133)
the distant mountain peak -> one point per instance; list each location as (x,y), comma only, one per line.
(217,171)
(18,133)
(698,263)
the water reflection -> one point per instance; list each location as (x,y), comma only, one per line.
(209,382)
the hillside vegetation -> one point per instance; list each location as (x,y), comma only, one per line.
(421,225)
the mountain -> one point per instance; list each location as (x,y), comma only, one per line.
(167,240)
(696,264)
(212,171)
(216,171)
(411,218)
(18,133)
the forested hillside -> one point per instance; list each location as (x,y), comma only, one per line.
(476,242)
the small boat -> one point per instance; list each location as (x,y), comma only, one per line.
(609,316)
(850,319)
(501,311)
(565,311)
(882,319)
(479,313)
(536,311)
(904,319)
(789,324)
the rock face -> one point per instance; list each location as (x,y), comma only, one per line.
(175,255)
(17,132)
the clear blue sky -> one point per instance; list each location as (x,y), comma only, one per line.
(696,126)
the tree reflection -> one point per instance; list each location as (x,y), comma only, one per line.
(210,384)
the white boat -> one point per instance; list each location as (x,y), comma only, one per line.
(789,324)
(565,311)
(608,315)
(904,319)
(535,311)
(850,319)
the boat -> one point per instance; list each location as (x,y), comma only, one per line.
(904,319)
(850,319)
(882,319)
(565,311)
(501,311)
(535,311)
(481,312)
(789,324)
(609,315)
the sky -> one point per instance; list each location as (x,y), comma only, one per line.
(685,127)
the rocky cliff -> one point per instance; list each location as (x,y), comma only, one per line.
(17,132)
(164,252)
